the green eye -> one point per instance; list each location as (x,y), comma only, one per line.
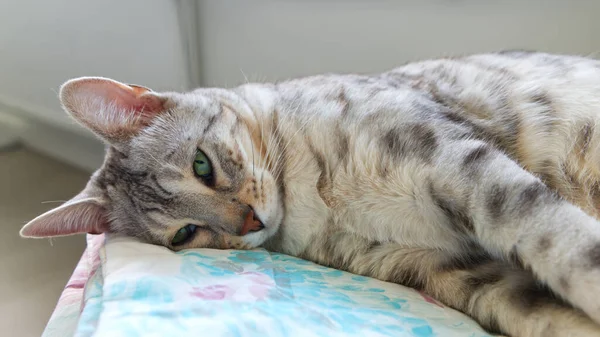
(183,235)
(202,166)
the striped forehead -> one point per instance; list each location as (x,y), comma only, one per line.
(173,139)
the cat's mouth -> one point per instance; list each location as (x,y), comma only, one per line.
(251,224)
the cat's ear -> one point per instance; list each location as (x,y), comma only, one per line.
(82,214)
(114,110)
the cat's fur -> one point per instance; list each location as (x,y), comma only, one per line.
(474,179)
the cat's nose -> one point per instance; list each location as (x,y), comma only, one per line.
(251,223)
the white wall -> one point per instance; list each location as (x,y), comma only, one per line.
(275,39)
(44,43)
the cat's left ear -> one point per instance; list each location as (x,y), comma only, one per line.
(113,110)
(85,213)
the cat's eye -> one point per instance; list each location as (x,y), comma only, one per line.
(183,235)
(203,167)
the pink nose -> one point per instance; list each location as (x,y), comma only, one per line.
(251,223)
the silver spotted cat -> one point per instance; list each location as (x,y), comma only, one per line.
(475,179)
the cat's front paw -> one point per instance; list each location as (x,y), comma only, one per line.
(556,321)
(580,286)
(571,327)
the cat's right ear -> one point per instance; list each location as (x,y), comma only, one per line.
(84,213)
(113,110)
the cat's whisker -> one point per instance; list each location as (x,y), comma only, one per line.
(265,160)
(245,77)
(262,140)
(287,123)
(289,141)
(280,168)
(301,128)
(252,145)
(266,154)
(151,156)
(269,147)
(251,149)
(272,150)
(273,153)
(53,201)
(276,153)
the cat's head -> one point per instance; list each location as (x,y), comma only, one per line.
(181,170)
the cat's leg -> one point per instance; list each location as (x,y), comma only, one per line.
(501,297)
(514,214)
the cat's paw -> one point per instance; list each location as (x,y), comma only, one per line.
(561,323)
(576,329)
(582,290)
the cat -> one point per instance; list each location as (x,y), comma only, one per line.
(475,179)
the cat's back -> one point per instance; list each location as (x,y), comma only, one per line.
(510,65)
(541,109)
(503,81)
(480,87)
(506,97)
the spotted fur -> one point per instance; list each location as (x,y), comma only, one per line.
(475,179)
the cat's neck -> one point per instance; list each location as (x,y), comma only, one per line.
(286,131)
(293,144)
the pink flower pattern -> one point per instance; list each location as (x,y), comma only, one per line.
(213,292)
(255,283)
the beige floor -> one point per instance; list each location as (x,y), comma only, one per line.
(33,272)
